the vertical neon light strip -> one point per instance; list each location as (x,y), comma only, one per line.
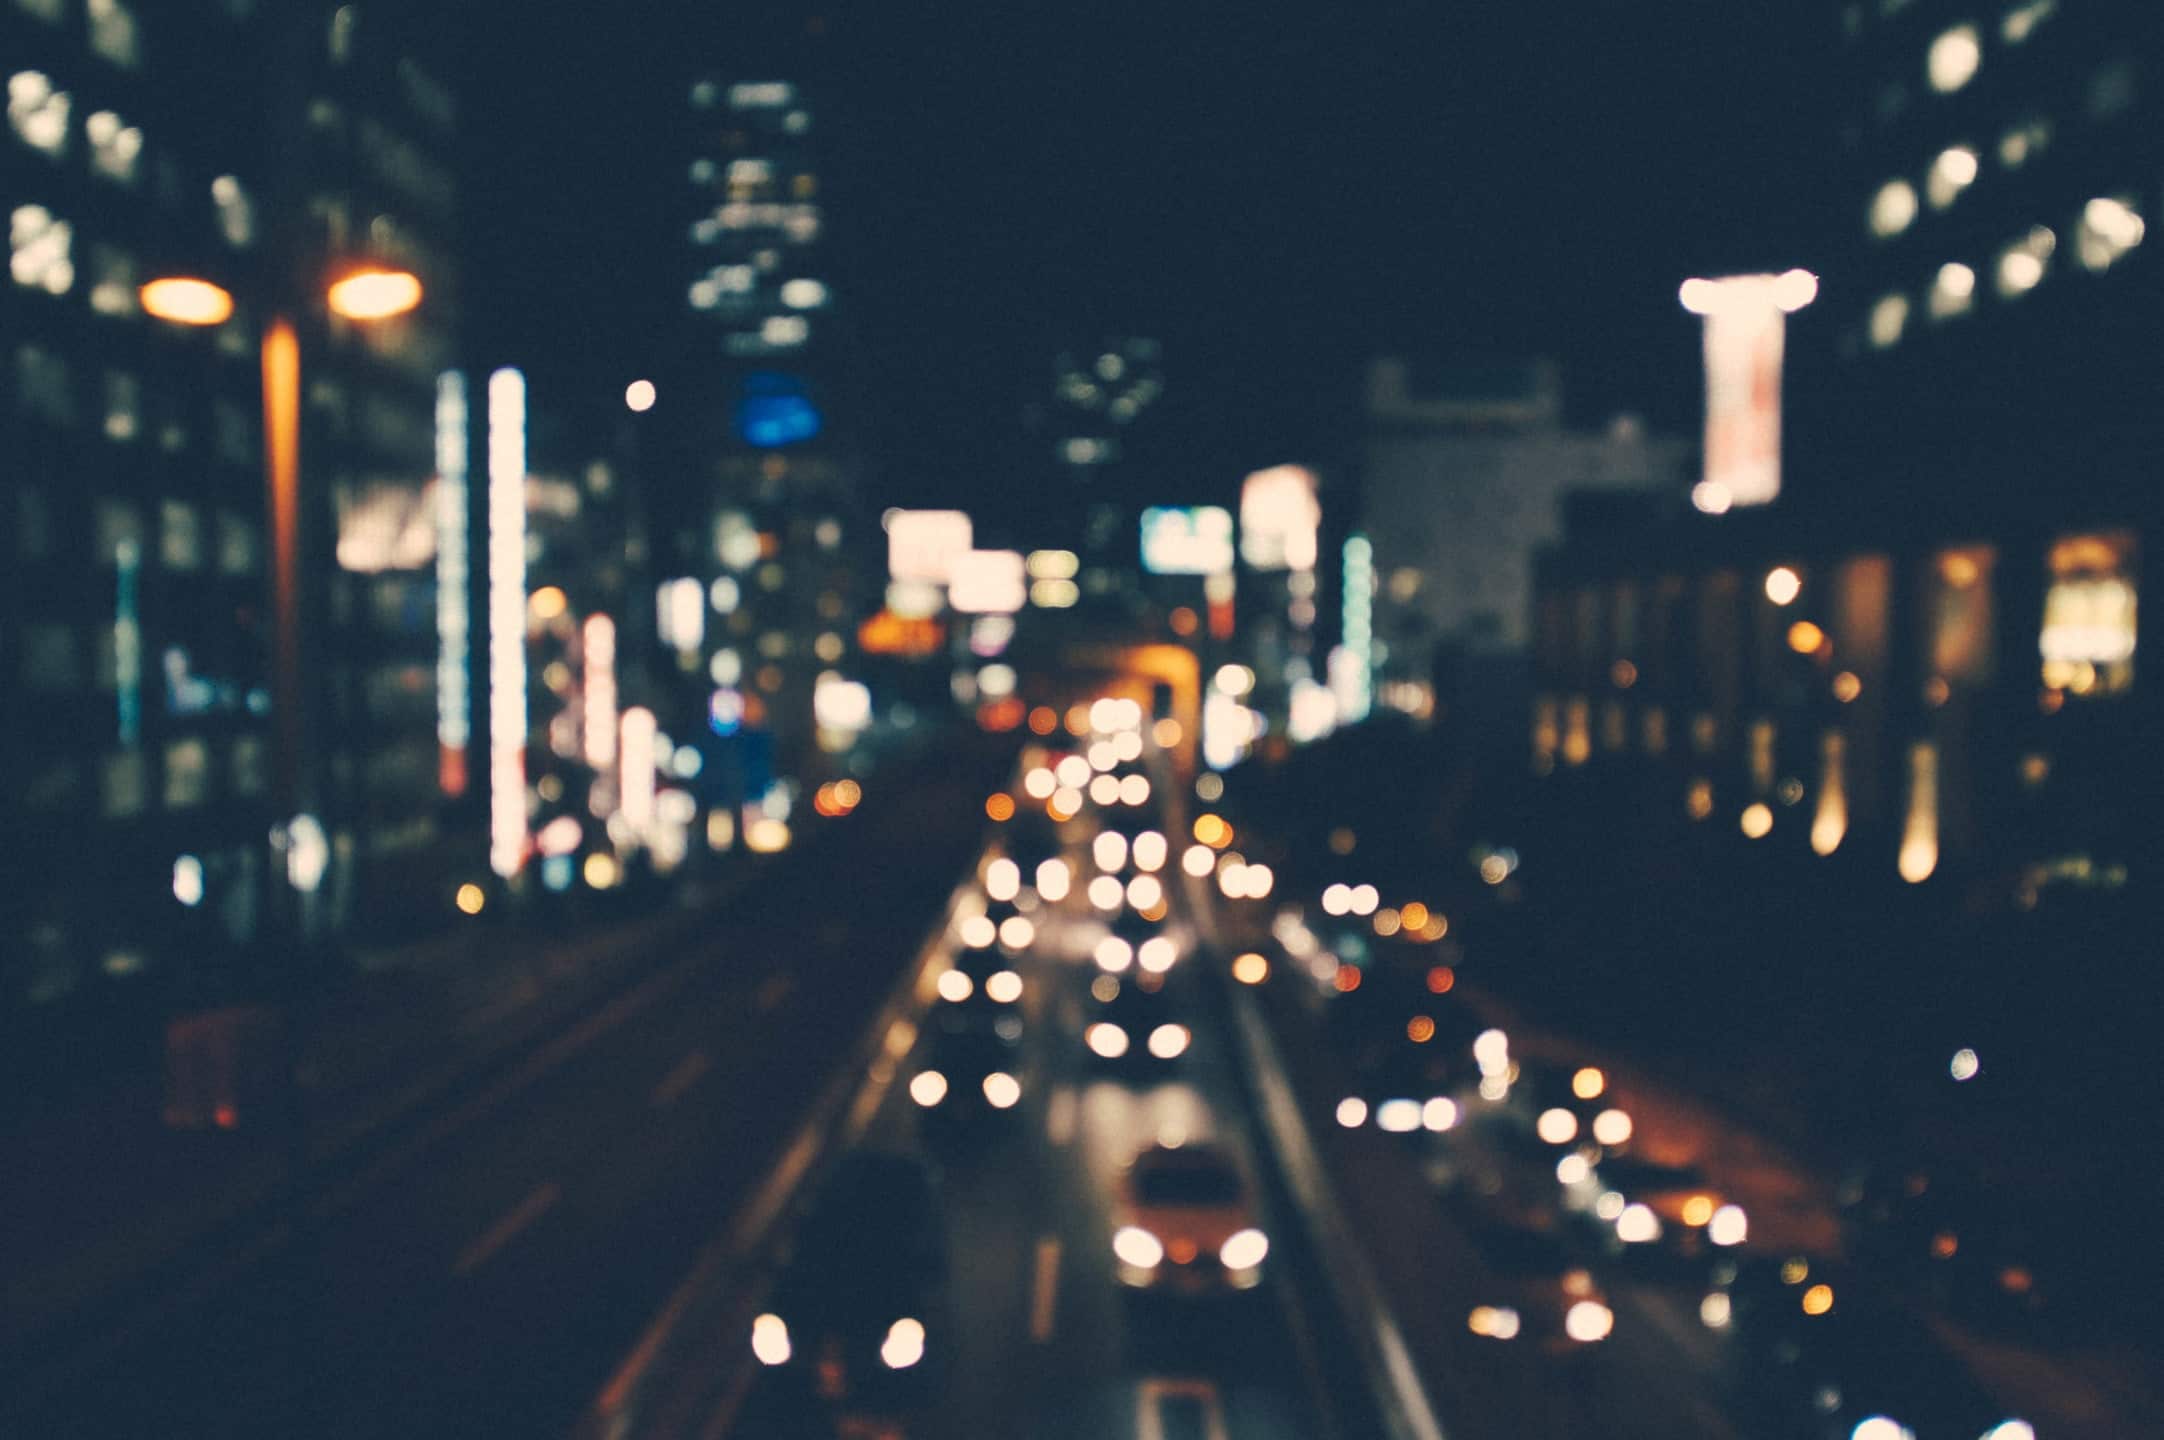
(506,621)
(128,641)
(1358,692)
(453,627)
(600,718)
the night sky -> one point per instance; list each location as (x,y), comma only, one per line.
(1276,193)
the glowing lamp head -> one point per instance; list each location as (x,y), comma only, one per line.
(185,301)
(374,294)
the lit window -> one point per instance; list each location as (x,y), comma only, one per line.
(187,774)
(702,171)
(2110,226)
(113,281)
(1889,318)
(1893,207)
(50,11)
(1952,60)
(2023,142)
(126,785)
(116,149)
(38,112)
(1953,292)
(2021,21)
(704,94)
(180,543)
(2087,641)
(236,545)
(236,213)
(113,33)
(2022,264)
(340,40)
(1953,172)
(40,247)
(123,406)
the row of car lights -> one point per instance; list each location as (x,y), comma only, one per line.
(902,1347)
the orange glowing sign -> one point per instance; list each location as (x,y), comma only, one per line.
(887,633)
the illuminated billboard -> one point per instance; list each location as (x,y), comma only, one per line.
(1186,539)
(923,544)
(1745,329)
(1279,516)
(987,582)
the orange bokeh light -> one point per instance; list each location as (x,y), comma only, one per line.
(1000,806)
(1440,979)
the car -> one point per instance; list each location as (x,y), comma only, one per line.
(1536,1293)
(854,1324)
(971,1074)
(1185,1223)
(1133,1019)
(1664,1219)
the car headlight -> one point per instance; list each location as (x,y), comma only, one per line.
(928,1088)
(770,1340)
(1244,1251)
(1138,1247)
(1497,1322)
(1106,1040)
(1588,1320)
(904,1345)
(1002,1090)
(1168,1042)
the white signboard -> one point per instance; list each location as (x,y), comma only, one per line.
(923,544)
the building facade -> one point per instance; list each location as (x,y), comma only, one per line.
(146,142)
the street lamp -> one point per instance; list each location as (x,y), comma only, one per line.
(363,294)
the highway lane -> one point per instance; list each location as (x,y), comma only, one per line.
(1042,1341)
(482,1277)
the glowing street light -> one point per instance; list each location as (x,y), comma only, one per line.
(185,301)
(374,294)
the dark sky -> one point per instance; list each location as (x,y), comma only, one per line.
(1275,191)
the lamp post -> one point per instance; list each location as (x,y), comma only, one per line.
(364,294)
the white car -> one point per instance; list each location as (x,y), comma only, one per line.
(1185,1223)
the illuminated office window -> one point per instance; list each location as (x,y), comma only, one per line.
(37,112)
(1958,608)
(2110,226)
(236,212)
(41,250)
(2023,142)
(1952,60)
(123,406)
(50,11)
(187,774)
(2020,22)
(1892,208)
(125,786)
(1951,173)
(116,148)
(180,539)
(2023,264)
(113,33)
(2087,642)
(112,281)
(1953,291)
(1889,318)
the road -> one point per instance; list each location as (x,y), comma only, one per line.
(1044,1342)
(480,1273)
